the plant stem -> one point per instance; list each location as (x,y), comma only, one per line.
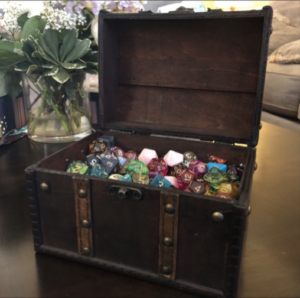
(40,109)
(63,121)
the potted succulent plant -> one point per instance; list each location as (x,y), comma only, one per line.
(52,44)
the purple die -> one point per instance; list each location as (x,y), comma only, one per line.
(198,167)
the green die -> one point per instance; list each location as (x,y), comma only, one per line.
(137,167)
(215,176)
(79,168)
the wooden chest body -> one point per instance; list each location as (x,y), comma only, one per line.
(140,96)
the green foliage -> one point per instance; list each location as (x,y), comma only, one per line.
(22,19)
(9,84)
(58,58)
(81,48)
(68,44)
(32,26)
(8,58)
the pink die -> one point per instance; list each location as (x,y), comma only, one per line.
(173,180)
(173,158)
(147,155)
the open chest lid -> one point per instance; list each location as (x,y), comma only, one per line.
(195,75)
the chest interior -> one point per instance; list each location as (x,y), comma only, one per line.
(181,76)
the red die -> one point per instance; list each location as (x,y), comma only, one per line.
(216,159)
(117,151)
(176,170)
(131,155)
(181,184)
(157,166)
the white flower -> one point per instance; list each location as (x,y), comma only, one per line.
(94,29)
(34,8)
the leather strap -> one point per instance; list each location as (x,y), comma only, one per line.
(83,216)
(168,229)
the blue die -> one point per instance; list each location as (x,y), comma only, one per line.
(160,181)
(99,171)
(220,166)
(126,178)
(122,160)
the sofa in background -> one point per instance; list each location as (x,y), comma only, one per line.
(282,86)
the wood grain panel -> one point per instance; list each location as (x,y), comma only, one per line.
(57,211)
(206,75)
(203,244)
(228,114)
(126,231)
(226,40)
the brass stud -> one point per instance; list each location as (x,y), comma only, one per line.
(86,251)
(217,217)
(169,208)
(166,270)
(85,223)
(248,211)
(82,193)
(44,186)
(168,242)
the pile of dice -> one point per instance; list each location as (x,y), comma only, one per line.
(180,171)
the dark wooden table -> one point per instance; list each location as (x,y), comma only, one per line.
(271,261)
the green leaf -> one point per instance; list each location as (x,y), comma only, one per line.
(49,66)
(10,84)
(5,82)
(61,76)
(51,72)
(91,71)
(37,82)
(16,90)
(33,68)
(51,39)
(48,96)
(18,45)
(77,65)
(8,58)
(68,44)
(22,66)
(69,91)
(28,48)
(44,46)
(32,26)
(22,19)
(37,55)
(41,50)
(91,57)
(7,45)
(80,50)
(92,66)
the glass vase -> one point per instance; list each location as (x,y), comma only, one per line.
(57,113)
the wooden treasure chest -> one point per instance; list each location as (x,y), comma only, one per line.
(181,81)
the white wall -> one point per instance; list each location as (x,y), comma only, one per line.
(153,5)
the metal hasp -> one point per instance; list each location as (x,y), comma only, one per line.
(125,192)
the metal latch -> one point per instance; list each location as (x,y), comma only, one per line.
(214,10)
(146,12)
(123,192)
(183,9)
